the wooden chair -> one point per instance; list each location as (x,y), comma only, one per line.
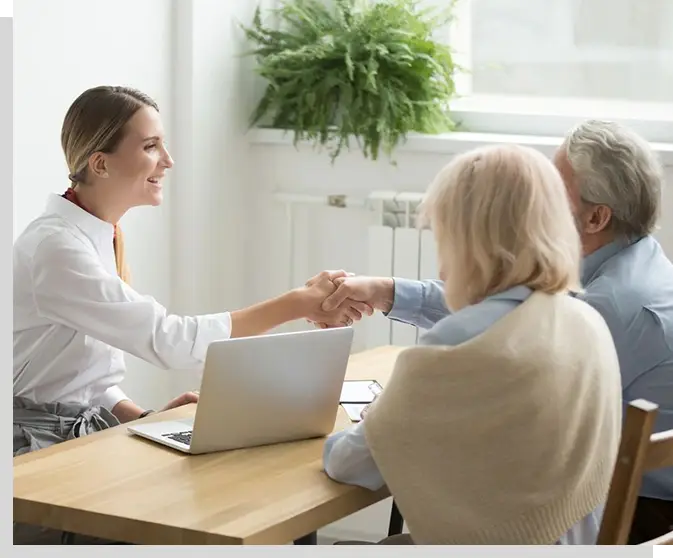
(640,451)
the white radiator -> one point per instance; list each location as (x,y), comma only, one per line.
(397,248)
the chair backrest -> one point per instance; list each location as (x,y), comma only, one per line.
(640,451)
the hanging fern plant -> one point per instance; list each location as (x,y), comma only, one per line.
(363,69)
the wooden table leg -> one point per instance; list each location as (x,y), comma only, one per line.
(311,538)
(396,524)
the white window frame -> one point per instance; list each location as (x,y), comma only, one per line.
(540,116)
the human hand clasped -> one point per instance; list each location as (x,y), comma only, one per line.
(317,289)
(343,298)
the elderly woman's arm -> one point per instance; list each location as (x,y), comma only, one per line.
(347,459)
(419,303)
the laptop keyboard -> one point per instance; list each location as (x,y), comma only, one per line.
(182,437)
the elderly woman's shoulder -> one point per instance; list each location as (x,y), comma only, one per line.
(584,314)
(469,322)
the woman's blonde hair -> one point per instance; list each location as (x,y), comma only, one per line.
(501,218)
(96,121)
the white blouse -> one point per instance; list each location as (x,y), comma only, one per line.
(74,317)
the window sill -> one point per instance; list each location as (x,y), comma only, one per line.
(546,116)
(450,143)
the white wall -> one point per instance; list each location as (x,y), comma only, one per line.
(61,49)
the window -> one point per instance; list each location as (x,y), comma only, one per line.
(538,66)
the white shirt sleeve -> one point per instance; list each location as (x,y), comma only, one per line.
(347,459)
(72,287)
(112,396)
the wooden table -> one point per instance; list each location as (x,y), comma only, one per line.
(120,487)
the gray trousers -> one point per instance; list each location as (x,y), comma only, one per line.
(40,425)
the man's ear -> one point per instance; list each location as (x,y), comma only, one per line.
(598,219)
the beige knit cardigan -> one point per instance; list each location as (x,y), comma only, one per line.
(509,438)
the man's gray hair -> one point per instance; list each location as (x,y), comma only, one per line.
(616,167)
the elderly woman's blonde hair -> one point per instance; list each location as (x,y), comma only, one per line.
(501,218)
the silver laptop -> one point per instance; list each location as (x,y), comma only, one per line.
(262,390)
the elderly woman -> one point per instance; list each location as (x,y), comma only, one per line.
(502,427)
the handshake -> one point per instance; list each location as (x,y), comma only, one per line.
(338,298)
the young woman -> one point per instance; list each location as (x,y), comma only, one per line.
(75,314)
(502,427)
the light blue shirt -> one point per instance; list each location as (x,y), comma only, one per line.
(346,456)
(631,285)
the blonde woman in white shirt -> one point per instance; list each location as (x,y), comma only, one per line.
(74,313)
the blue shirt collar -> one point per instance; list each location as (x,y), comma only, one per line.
(592,262)
(518,293)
